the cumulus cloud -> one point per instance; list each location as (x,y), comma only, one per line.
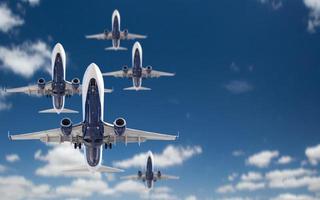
(250,186)
(170,156)
(238,87)
(314,14)
(232,176)
(8,20)
(285,160)
(313,153)
(191,197)
(12,158)
(289,196)
(251,176)
(238,153)
(225,189)
(262,159)
(275,4)
(26,59)
(32,2)
(59,158)
(4,105)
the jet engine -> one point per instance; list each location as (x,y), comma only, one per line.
(125,69)
(159,174)
(125,32)
(139,174)
(66,126)
(75,83)
(106,32)
(41,83)
(149,69)
(119,126)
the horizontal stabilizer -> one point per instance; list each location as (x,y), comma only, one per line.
(52,110)
(137,88)
(102,169)
(115,49)
(108,90)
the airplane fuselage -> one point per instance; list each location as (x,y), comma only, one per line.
(137,66)
(149,172)
(116,29)
(93,125)
(58,77)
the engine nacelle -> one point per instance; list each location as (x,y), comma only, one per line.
(106,32)
(41,83)
(119,126)
(139,174)
(66,126)
(75,83)
(149,69)
(125,32)
(125,69)
(158,174)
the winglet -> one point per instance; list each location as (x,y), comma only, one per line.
(9,136)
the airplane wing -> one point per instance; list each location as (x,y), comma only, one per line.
(133,135)
(132,36)
(154,74)
(70,90)
(119,74)
(100,36)
(102,169)
(167,177)
(133,177)
(52,135)
(32,90)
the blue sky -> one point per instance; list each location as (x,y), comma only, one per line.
(245,98)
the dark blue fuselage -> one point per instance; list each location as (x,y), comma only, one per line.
(137,69)
(93,127)
(58,83)
(149,173)
(116,32)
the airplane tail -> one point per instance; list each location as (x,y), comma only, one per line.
(52,110)
(115,49)
(136,88)
(102,169)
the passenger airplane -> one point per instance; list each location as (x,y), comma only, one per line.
(137,72)
(116,34)
(93,132)
(150,176)
(58,87)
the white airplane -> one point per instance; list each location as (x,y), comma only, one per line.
(116,34)
(58,87)
(93,132)
(137,72)
(150,175)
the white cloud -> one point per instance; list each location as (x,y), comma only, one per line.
(61,157)
(225,189)
(4,105)
(238,153)
(285,160)
(313,153)
(12,158)
(32,2)
(238,87)
(250,186)
(191,197)
(275,4)
(26,59)
(7,19)
(314,15)
(289,196)
(170,156)
(262,159)
(251,176)
(232,176)
(3,168)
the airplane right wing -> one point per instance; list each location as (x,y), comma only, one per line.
(100,36)
(51,136)
(102,169)
(32,89)
(167,177)
(134,177)
(119,74)
(131,36)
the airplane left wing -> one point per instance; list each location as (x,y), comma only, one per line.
(133,177)
(131,36)
(133,135)
(100,36)
(102,169)
(52,135)
(154,74)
